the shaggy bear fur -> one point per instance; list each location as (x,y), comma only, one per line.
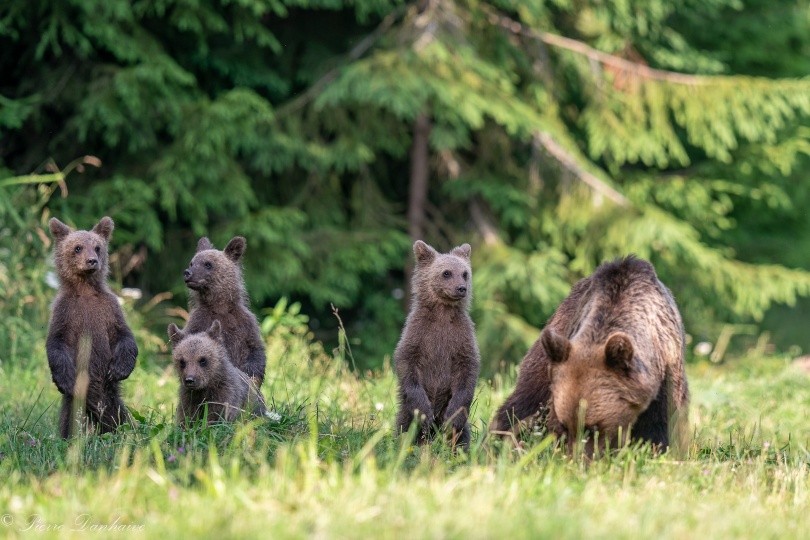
(609,361)
(88,337)
(218,293)
(436,359)
(208,380)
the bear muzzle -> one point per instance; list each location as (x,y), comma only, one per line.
(90,266)
(191,283)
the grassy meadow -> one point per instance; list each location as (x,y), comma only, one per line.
(327,465)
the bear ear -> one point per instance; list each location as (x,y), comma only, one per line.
(619,352)
(235,248)
(203,244)
(175,334)
(58,229)
(424,253)
(462,251)
(104,228)
(215,330)
(556,346)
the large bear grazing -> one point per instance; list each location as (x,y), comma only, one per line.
(208,380)
(218,293)
(610,361)
(87,333)
(436,359)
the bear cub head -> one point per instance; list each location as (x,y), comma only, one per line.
(216,273)
(82,256)
(198,357)
(442,278)
(597,393)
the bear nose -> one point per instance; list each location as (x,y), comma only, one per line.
(188,381)
(461,290)
(92,262)
(186,273)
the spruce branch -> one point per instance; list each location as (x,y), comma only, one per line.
(568,162)
(595,55)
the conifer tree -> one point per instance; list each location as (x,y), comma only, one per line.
(552,134)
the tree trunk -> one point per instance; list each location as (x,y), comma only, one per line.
(417,193)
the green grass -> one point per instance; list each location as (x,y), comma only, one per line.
(330,468)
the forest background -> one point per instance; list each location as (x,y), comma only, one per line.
(551,135)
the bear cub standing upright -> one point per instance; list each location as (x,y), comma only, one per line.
(610,362)
(87,331)
(218,293)
(436,359)
(209,379)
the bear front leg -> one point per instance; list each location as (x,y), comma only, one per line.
(183,415)
(531,396)
(125,351)
(60,361)
(255,401)
(255,364)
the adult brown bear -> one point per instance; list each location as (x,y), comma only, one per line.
(610,362)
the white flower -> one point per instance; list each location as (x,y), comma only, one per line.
(703,348)
(273,416)
(129,292)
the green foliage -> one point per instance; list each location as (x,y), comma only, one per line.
(25,280)
(557,141)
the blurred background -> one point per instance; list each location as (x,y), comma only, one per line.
(551,135)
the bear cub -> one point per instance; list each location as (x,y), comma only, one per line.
(608,367)
(88,337)
(208,379)
(437,360)
(217,292)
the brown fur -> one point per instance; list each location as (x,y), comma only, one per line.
(614,347)
(218,293)
(208,379)
(85,311)
(436,359)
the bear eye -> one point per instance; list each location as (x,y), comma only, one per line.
(182,364)
(464,274)
(203,361)
(208,265)
(98,250)
(447,274)
(77,249)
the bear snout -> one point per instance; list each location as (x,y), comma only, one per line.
(189,382)
(461,291)
(189,279)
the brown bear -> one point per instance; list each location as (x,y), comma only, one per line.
(218,293)
(436,359)
(208,379)
(88,338)
(610,362)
